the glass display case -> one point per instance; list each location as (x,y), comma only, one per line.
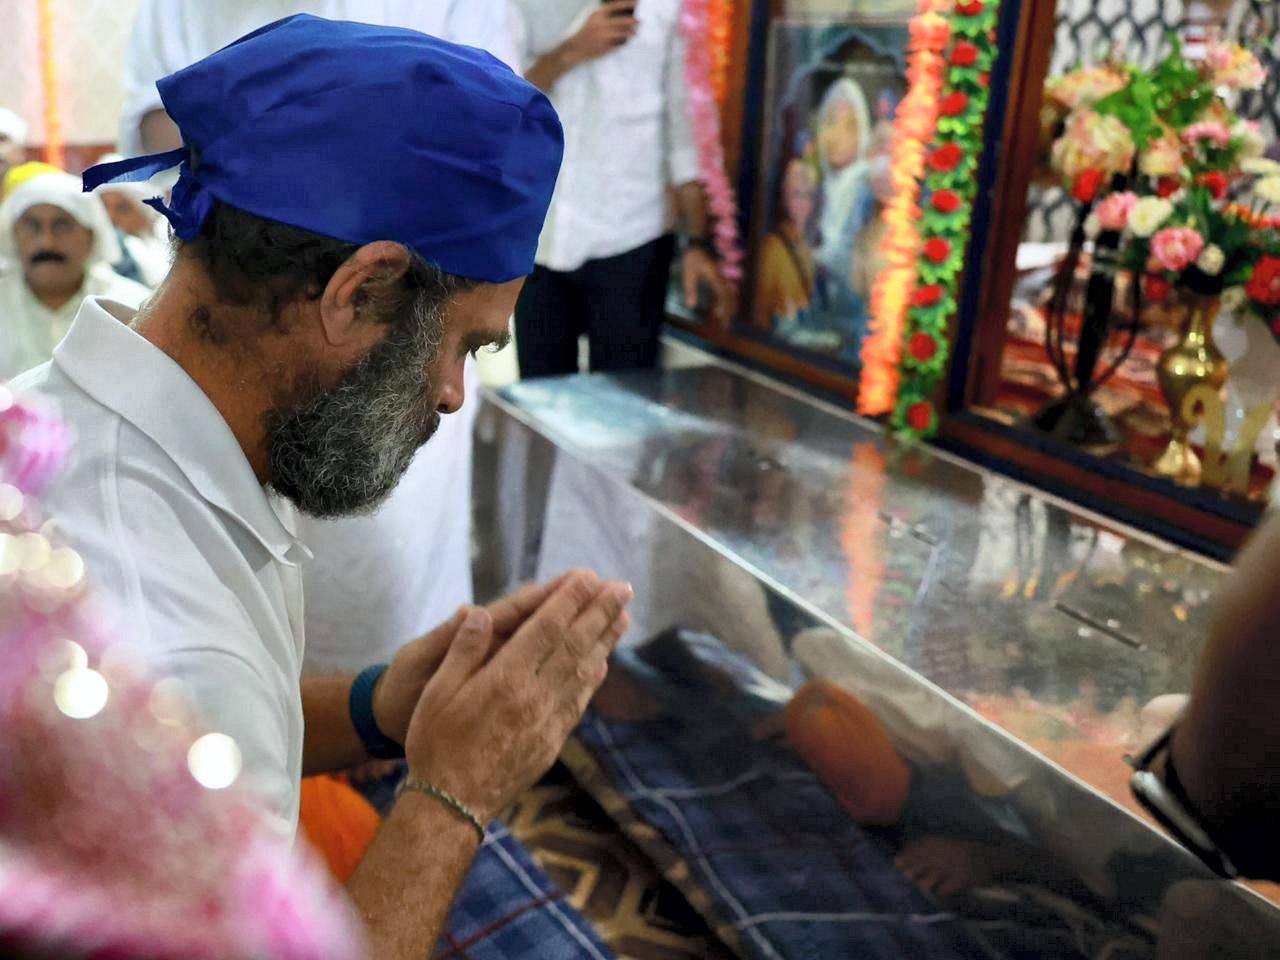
(1013,648)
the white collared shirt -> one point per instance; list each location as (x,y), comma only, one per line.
(199,563)
(29,330)
(627,133)
(171,34)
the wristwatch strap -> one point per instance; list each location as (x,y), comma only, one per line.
(1166,799)
(360,705)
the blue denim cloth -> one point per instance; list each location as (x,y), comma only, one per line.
(508,908)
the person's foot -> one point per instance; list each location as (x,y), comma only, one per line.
(945,867)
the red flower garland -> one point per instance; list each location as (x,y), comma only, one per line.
(946,158)
(926,296)
(965,54)
(946,201)
(924,347)
(937,249)
(972,8)
(954,104)
(920,416)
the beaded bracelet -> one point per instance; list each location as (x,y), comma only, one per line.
(431,790)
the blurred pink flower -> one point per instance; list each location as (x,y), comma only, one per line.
(1176,248)
(1114,210)
(1217,133)
(1231,65)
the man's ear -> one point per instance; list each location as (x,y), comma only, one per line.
(374,263)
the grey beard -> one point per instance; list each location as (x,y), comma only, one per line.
(341,451)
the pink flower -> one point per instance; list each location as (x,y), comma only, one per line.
(1114,210)
(1176,248)
(1230,65)
(1217,133)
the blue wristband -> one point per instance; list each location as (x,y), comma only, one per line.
(360,704)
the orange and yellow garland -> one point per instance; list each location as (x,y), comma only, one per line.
(938,136)
(53,146)
(914,127)
(720,40)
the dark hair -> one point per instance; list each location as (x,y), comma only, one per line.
(259,263)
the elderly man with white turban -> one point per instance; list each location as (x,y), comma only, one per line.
(64,246)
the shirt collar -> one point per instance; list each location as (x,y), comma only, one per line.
(124,372)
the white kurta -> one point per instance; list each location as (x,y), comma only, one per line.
(182,541)
(29,330)
(381,580)
(627,135)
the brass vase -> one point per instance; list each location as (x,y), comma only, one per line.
(1192,361)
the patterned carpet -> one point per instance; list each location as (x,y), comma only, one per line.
(640,915)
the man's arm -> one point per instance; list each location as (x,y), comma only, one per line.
(698,264)
(1227,746)
(608,27)
(491,721)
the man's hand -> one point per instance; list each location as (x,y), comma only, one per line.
(493,719)
(400,688)
(697,267)
(610,26)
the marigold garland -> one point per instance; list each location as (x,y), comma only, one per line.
(914,127)
(935,155)
(720,40)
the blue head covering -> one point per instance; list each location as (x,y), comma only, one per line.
(363,133)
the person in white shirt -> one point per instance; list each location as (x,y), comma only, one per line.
(615,72)
(13,140)
(304,345)
(170,34)
(64,245)
(142,232)
(370,578)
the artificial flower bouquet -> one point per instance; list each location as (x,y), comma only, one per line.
(1162,164)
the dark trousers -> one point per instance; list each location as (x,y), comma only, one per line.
(618,302)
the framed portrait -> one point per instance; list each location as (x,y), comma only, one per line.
(831,92)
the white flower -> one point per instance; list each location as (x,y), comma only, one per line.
(1252,143)
(1233,298)
(1148,215)
(1268,189)
(1260,167)
(1212,260)
(1092,226)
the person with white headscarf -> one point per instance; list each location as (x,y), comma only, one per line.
(13,140)
(64,246)
(844,141)
(142,232)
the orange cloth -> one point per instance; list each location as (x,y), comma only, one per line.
(339,822)
(847,747)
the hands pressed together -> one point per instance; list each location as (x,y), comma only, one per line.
(484,703)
